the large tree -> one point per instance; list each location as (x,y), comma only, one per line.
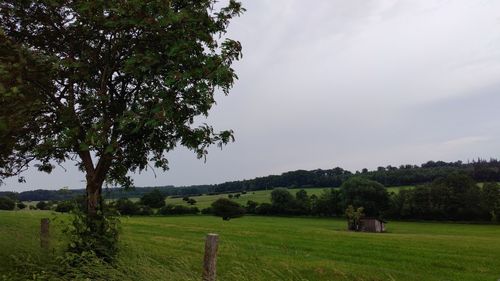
(112,84)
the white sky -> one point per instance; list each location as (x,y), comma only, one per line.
(351,83)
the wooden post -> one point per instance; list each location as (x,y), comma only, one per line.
(44,233)
(210,260)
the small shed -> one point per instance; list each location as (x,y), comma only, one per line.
(372,225)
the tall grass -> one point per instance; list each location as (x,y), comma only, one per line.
(278,248)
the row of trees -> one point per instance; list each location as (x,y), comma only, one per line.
(332,202)
(479,170)
(454,197)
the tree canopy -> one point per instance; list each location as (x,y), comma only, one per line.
(113,85)
(227,209)
(370,195)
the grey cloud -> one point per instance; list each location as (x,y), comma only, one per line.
(348,83)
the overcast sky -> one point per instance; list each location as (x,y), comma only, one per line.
(351,83)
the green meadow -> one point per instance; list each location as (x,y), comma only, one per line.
(274,248)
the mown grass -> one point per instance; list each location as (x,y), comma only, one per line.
(280,248)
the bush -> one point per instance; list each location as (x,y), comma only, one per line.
(354,217)
(93,236)
(143,210)
(21,205)
(153,199)
(284,203)
(282,199)
(7,203)
(126,207)
(207,211)
(227,209)
(251,207)
(191,201)
(171,209)
(42,205)
(264,209)
(64,206)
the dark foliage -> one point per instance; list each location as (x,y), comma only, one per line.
(21,205)
(90,235)
(251,207)
(126,207)
(328,203)
(153,199)
(207,211)
(65,206)
(227,209)
(455,197)
(265,209)
(42,205)
(369,194)
(171,209)
(7,203)
(143,210)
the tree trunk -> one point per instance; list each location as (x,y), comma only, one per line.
(95,178)
(93,198)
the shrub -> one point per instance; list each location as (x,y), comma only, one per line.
(143,210)
(171,209)
(227,209)
(264,209)
(42,205)
(7,203)
(153,199)
(191,201)
(251,207)
(126,207)
(21,205)
(207,211)
(281,198)
(93,235)
(64,206)
(354,217)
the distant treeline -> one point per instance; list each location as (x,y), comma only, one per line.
(479,170)
(454,197)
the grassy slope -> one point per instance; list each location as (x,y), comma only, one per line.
(270,248)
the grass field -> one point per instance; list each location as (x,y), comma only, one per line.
(279,248)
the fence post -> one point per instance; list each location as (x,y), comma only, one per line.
(210,260)
(44,233)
